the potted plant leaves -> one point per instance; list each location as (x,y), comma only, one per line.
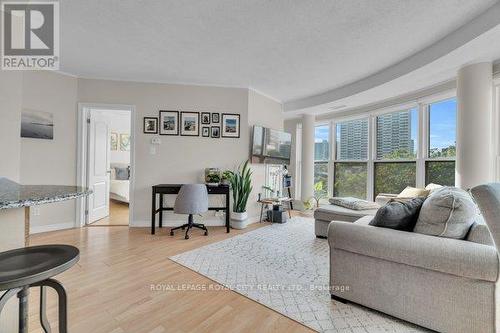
(241,186)
(212,176)
(226,175)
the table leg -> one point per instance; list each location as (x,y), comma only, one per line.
(227,213)
(153,213)
(160,222)
(27,226)
(261,211)
(23,309)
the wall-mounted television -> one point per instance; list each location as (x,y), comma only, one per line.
(271,146)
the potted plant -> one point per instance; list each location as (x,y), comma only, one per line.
(212,176)
(241,185)
(226,175)
(319,193)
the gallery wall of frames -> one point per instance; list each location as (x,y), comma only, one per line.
(187,123)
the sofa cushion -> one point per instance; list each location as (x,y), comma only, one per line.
(446,255)
(398,214)
(447,212)
(413,192)
(332,212)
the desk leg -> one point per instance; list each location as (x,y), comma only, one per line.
(227,213)
(261,211)
(160,222)
(153,208)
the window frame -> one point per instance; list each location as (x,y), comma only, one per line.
(329,180)
(422,105)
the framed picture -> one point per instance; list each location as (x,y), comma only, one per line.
(150,125)
(205,118)
(37,124)
(215,132)
(190,124)
(114,141)
(205,131)
(125,142)
(169,122)
(230,125)
(215,118)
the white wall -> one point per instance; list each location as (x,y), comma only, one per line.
(182,159)
(120,123)
(51,161)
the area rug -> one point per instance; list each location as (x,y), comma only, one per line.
(285,267)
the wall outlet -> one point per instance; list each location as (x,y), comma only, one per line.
(36,211)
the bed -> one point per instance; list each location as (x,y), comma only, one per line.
(119,187)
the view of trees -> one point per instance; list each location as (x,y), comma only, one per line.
(350,179)
(440,172)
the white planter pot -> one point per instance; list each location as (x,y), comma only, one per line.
(239,220)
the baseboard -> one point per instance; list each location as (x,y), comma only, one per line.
(51,227)
(168,221)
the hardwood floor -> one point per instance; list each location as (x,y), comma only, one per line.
(118,214)
(123,284)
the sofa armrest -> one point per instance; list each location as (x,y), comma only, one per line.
(383,198)
(446,255)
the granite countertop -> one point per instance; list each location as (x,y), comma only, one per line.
(14,195)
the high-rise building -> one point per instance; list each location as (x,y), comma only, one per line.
(394,134)
(352,143)
(321,150)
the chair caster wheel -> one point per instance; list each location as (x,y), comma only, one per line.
(171,233)
(186,237)
(206,233)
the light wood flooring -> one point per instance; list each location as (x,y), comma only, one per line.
(118,214)
(112,288)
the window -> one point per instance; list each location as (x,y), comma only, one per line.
(440,164)
(351,168)
(321,157)
(396,141)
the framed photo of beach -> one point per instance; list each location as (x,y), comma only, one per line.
(190,123)
(169,122)
(230,125)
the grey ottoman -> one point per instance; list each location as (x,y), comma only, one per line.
(327,213)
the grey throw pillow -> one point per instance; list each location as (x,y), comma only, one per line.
(447,212)
(398,214)
(122,173)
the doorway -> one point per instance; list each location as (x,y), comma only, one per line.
(106,163)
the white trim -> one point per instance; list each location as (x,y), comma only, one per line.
(82,150)
(51,227)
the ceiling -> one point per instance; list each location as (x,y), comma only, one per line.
(290,50)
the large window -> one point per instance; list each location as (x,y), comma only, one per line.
(351,168)
(321,157)
(440,164)
(396,141)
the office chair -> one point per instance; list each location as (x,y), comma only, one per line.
(192,199)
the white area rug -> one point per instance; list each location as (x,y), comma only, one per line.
(286,268)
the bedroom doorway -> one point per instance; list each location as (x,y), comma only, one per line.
(106,142)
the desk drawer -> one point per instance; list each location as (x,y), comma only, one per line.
(217,190)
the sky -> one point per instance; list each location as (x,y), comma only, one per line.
(442,125)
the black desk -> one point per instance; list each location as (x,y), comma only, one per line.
(162,189)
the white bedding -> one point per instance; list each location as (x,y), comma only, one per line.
(119,190)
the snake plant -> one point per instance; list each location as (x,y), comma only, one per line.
(241,185)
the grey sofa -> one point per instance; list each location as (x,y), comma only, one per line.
(325,214)
(444,284)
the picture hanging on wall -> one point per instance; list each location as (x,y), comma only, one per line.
(169,122)
(215,132)
(190,124)
(205,118)
(114,141)
(230,125)
(205,131)
(125,142)
(215,118)
(150,125)
(37,124)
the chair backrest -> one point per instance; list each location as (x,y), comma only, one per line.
(192,199)
(487,197)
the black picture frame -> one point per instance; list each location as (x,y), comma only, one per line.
(215,132)
(224,132)
(205,118)
(147,131)
(215,118)
(197,125)
(205,131)
(161,131)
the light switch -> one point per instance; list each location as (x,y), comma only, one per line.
(155,141)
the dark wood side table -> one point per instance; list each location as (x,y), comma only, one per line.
(162,189)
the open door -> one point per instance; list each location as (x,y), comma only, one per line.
(99,166)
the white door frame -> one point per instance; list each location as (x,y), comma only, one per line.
(82,155)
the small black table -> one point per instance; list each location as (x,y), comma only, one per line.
(162,189)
